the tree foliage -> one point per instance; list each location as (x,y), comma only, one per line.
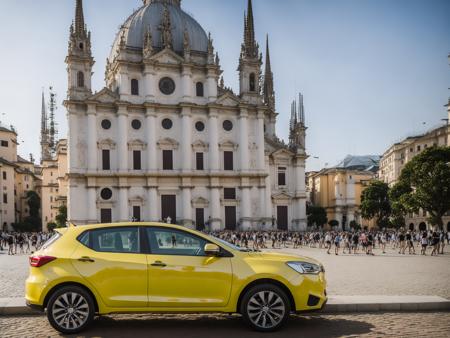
(424,183)
(333,223)
(61,218)
(375,203)
(317,216)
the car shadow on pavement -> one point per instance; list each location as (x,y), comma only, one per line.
(207,326)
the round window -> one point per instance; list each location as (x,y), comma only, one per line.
(106,194)
(228,125)
(106,124)
(200,126)
(167,124)
(136,124)
(166,86)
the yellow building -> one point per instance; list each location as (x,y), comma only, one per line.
(339,189)
(54,184)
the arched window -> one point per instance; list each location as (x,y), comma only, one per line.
(80,79)
(134,87)
(252,82)
(199,88)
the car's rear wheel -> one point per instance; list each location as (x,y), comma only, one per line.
(70,309)
(265,307)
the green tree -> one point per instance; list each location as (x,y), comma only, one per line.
(354,225)
(51,226)
(375,203)
(317,216)
(425,184)
(333,223)
(61,218)
(34,203)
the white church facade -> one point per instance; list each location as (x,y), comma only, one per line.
(166,140)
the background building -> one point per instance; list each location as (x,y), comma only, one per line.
(166,139)
(18,176)
(338,189)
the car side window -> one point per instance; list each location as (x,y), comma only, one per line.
(120,240)
(175,242)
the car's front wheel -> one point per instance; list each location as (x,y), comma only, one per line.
(265,307)
(70,309)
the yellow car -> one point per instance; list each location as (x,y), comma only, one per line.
(159,268)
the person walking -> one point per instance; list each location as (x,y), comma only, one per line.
(424,243)
(337,243)
(328,242)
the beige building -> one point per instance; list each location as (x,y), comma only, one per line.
(339,189)
(17,177)
(396,157)
(54,184)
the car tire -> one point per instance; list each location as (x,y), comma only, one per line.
(265,308)
(70,309)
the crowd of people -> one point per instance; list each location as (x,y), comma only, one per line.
(336,242)
(22,243)
(343,242)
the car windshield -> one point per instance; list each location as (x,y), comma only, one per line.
(232,246)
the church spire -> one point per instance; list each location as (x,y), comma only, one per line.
(250,48)
(45,151)
(269,93)
(80,27)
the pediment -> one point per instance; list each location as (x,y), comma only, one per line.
(167,56)
(106,143)
(282,154)
(199,144)
(168,143)
(228,99)
(282,196)
(104,96)
(228,145)
(200,202)
(137,143)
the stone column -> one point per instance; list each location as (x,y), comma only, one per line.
(149,84)
(245,208)
(243,141)
(260,156)
(268,198)
(124,88)
(211,81)
(72,142)
(92,162)
(122,142)
(187,209)
(213,134)
(123,204)
(152,205)
(215,209)
(186,144)
(187,85)
(92,205)
(150,138)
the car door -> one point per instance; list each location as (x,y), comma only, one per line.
(181,275)
(110,259)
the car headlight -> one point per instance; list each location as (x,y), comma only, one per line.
(306,268)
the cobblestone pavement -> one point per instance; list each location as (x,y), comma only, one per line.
(388,274)
(397,325)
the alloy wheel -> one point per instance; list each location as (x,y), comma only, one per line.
(266,309)
(70,310)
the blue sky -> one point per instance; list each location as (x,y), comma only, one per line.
(371,71)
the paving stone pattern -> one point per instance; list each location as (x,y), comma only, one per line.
(397,325)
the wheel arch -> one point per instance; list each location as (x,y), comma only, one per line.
(275,282)
(64,284)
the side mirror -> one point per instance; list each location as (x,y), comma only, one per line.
(212,250)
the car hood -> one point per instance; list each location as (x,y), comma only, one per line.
(282,257)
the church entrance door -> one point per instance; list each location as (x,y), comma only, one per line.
(282,217)
(169,208)
(230,218)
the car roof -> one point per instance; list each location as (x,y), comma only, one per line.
(128,224)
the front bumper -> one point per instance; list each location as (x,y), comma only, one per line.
(34,307)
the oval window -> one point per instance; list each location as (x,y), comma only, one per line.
(106,194)
(167,124)
(136,124)
(200,126)
(166,86)
(228,125)
(106,124)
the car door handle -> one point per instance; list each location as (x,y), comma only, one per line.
(159,263)
(86,259)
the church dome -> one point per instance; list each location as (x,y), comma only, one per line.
(150,16)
